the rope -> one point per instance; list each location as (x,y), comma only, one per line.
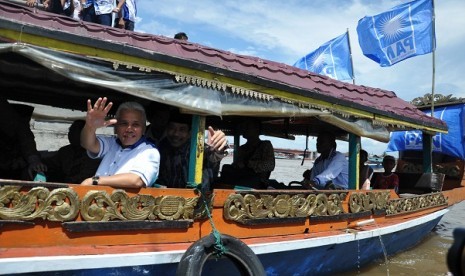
(220,249)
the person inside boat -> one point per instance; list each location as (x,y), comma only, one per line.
(175,152)
(254,162)
(331,169)
(365,171)
(129,160)
(71,164)
(19,158)
(158,116)
(388,179)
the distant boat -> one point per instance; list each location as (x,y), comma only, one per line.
(375,162)
(278,155)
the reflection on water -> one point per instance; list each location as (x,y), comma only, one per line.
(427,258)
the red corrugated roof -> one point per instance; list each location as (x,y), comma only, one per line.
(253,69)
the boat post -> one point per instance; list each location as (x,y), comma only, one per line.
(354,157)
(427,152)
(237,143)
(197,149)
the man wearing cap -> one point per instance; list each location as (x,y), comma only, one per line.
(175,149)
(331,168)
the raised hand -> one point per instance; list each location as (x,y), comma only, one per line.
(97,113)
(216,139)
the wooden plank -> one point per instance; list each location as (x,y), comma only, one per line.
(125,225)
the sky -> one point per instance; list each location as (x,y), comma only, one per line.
(284,31)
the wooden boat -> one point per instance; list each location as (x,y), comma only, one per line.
(65,228)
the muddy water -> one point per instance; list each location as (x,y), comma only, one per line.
(427,258)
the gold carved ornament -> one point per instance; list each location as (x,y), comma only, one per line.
(361,202)
(241,207)
(415,203)
(60,204)
(100,206)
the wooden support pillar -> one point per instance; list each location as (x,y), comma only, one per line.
(237,140)
(197,149)
(354,161)
(427,153)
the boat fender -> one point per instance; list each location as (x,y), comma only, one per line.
(238,252)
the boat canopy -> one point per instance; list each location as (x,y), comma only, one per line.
(54,60)
(45,67)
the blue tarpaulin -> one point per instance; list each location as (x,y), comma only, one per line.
(451,143)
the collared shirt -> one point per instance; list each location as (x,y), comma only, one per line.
(103,6)
(335,168)
(130,10)
(142,159)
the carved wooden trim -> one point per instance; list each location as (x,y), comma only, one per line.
(61,204)
(415,203)
(243,207)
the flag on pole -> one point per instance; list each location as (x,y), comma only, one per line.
(332,59)
(402,32)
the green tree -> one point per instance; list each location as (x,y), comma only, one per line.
(438,98)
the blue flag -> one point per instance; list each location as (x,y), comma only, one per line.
(332,59)
(402,32)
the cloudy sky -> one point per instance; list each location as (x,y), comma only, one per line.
(284,31)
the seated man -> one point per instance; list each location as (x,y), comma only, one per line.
(71,164)
(19,158)
(129,159)
(175,150)
(331,168)
(159,116)
(255,159)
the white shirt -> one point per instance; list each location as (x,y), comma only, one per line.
(130,10)
(142,159)
(335,168)
(103,6)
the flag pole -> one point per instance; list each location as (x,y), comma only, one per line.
(350,54)
(433,44)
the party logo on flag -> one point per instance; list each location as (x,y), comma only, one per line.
(400,33)
(331,59)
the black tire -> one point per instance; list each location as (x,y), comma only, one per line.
(239,253)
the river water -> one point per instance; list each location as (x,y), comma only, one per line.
(427,258)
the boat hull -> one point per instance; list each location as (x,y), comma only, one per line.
(313,255)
